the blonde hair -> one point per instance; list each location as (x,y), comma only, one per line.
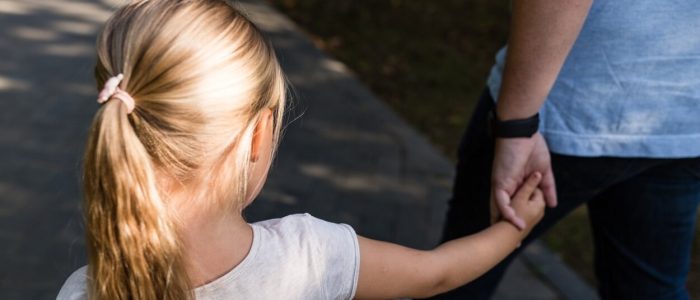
(200,74)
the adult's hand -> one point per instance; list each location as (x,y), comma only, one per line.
(514,160)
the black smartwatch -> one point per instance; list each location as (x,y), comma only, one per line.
(520,128)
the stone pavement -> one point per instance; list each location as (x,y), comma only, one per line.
(345,156)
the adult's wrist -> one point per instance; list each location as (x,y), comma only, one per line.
(513,128)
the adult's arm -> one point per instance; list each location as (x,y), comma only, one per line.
(541,35)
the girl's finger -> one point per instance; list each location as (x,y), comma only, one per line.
(504,206)
(529,186)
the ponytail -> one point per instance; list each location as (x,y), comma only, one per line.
(133,245)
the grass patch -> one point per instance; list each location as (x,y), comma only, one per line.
(429,61)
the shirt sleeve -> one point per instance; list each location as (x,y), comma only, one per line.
(75,287)
(340,254)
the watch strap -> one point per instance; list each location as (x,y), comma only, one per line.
(519,128)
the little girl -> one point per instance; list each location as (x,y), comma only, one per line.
(192,103)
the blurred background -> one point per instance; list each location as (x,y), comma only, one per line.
(370,139)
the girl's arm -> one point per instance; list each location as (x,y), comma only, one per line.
(391,271)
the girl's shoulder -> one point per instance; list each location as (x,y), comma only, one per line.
(75,287)
(302,233)
(299,256)
(315,259)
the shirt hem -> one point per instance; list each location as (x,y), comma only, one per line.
(628,146)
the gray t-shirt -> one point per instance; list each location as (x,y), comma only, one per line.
(295,257)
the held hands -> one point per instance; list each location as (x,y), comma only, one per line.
(528,202)
(390,271)
(514,159)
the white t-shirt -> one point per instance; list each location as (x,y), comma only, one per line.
(295,257)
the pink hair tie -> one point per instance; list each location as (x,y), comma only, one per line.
(112,90)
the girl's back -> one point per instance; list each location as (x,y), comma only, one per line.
(298,256)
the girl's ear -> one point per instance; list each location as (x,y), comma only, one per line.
(262,135)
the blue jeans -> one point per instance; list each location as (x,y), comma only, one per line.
(642,213)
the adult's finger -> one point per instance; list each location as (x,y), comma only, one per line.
(549,188)
(506,210)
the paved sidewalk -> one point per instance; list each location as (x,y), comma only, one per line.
(346,157)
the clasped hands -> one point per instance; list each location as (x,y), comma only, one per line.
(519,163)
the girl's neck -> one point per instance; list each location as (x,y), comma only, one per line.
(215,245)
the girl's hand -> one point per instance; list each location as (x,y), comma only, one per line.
(529,203)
